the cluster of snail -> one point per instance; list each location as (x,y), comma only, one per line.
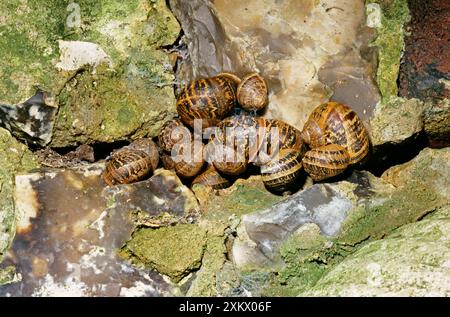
(332,139)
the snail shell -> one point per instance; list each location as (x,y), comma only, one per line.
(127,166)
(211,178)
(240,131)
(209,99)
(228,160)
(335,123)
(252,92)
(279,174)
(192,164)
(171,133)
(148,146)
(326,161)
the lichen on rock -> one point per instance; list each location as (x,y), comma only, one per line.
(101,60)
(172,251)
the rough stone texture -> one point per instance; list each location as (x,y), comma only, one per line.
(396,120)
(287,42)
(405,194)
(412,261)
(425,64)
(437,122)
(15,158)
(70,227)
(172,251)
(389,42)
(221,211)
(109,76)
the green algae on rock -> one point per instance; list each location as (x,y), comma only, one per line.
(395,120)
(173,251)
(411,261)
(122,39)
(15,158)
(390,41)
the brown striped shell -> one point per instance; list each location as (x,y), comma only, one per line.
(148,146)
(281,173)
(211,178)
(326,161)
(239,131)
(171,133)
(127,166)
(252,92)
(335,123)
(228,160)
(209,99)
(192,164)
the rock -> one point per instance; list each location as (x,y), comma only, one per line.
(32,120)
(221,211)
(424,69)
(268,228)
(302,247)
(172,251)
(80,225)
(277,39)
(396,120)
(437,122)
(100,61)
(15,158)
(411,261)
(389,19)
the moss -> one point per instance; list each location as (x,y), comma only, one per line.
(173,251)
(29,48)
(405,205)
(213,261)
(15,158)
(8,275)
(390,43)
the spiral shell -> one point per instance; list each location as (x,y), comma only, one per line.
(127,166)
(190,161)
(335,123)
(252,92)
(172,132)
(326,161)
(209,99)
(228,160)
(280,174)
(211,178)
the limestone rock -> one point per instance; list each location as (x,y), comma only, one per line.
(412,261)
(70,228)
(437,122)
(99,60)
(172,251)
(396,120)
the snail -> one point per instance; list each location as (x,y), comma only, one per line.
(189,160)
(333,123)
(326,161)
(131,163)
(212,178)
(209,99)
(171,133)
(280,173)
(228,160)
(252,92)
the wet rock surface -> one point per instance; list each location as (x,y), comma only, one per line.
(288,43)
(15,158)
(70,229)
